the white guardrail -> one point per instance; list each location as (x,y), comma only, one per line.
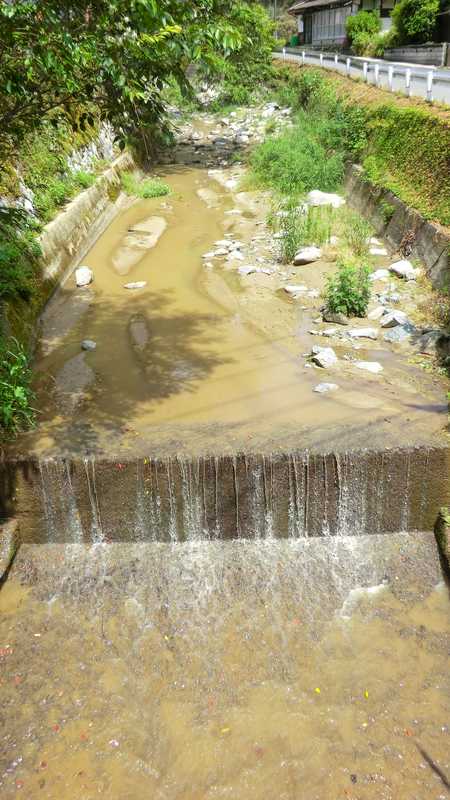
(431,83)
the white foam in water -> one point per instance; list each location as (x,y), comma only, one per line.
(356,595)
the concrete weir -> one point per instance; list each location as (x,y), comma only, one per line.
(224,497)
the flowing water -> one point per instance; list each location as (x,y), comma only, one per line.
(315,668)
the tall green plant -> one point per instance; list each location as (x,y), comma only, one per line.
(16,396)
(348,290)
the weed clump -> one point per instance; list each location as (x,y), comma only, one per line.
(145,189)
(348,290)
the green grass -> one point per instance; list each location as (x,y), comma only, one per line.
(146,188)
(356,232)
(300,229)
(307,156)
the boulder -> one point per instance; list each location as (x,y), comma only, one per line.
(379,275)
(307,255)
(83,276)
(369,366)
(399,334)
(324,356)
(429,342)
(404,269)
(363,333)
(393,318)
(318,198)
(324,388)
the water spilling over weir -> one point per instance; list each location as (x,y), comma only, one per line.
(245,496)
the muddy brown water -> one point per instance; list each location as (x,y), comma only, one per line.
(202,359)
(313,669)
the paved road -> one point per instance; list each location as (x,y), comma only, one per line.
(420,77)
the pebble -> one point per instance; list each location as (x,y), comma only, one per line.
(379,275)
(307,255)
(88,344)
(393,318)
(363,333)
(323,388)
(324,356)
(404,269)
(135,285)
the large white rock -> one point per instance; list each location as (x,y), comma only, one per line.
(369,366)
(324,356)
(84,276)
(363,333)
(307,255)
(404,269)
(318,198)
(394,318)
(379,275)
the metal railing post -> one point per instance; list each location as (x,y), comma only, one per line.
(377,74)
(303,57)
(284,53)
(408,81)
(391,78)
(321,59)
(430,76)
(365,65)
(336,59)
(347,66)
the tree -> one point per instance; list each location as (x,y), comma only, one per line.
(415,20)
(113,57)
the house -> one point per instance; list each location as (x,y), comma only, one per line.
(322,22)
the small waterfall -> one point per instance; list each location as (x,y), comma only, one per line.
(177,499)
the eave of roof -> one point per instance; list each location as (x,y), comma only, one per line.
(303,5)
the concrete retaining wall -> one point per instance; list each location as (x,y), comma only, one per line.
(177,499)
(432,54)
(430,242)
(65,241)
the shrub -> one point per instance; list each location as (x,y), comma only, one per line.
(364,22)
(146,189)
(415,20)
(348,290)
(16,396)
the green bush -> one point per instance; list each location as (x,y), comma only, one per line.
(16,396)
(145,188)
(348,290)
(415,20)
(364,22)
